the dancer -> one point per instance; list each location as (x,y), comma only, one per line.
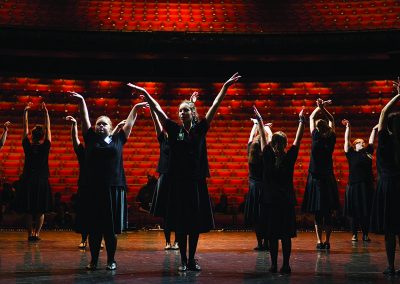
(36,196)
(105,185)
(188,210)
(321,194)
(359,190)
(3,137)
(279,191)
(385,207)
(254,214)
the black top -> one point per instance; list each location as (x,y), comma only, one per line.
(36,159)
(80,154)
(278,179)
(163,161)
(188,151)
(360,164)
(256,168)
(321,153)
(104,163)
(385,158)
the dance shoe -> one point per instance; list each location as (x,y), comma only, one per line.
(366,238)
(320,246)
(82,245)
(193,265)
(285,270)
(175,246)
(111,265)
(167,246)
(91,266)
(182,268)
(327,246)
(354,238)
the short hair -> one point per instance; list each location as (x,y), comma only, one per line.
(107,118)
(192,108)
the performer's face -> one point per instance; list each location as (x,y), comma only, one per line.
(103,126)
(359,144)
(185,114)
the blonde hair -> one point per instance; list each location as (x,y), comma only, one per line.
(193,110)
(106,118)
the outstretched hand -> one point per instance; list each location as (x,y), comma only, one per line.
(136,88)
(75,95)
(345,122)
(70,118)
(142,105)
(44,108)
(257,114)
(301,115)
(28,106)
(6,125)
(194,97)
(232,80)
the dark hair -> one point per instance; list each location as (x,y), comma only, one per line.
(394,127)
(279,143)
(255,154)
(323,127)
(37,132)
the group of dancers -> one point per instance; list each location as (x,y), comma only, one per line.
(181,197)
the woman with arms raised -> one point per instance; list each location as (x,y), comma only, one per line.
(188,209)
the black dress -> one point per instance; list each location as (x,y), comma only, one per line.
(279,193)
(35,196)
(81,194)
(359,190)
(321,193)
(104,197)
(159,200)
(385,215)
(188,204)
(253,207)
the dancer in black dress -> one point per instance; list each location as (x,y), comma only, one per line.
(359,190)
(188,210)
(279,191)
(385,207)
(254,214)
(79,150)
(3,137)
(321,195)
(104,196)
(36,196)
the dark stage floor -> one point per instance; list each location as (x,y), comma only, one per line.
(226,257)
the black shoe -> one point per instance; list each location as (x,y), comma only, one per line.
(111,265)
(91,266)
(320,246)
(193,265)
(273,269)
(389,271)
(327,246)
(182,267)
(285,270)
(366,238)
(31,239)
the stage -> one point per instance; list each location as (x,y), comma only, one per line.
(225,257)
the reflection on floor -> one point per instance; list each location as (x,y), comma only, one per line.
(224,257)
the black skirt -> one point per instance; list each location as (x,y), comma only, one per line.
(34,196)
(103,210)
(252,207)
(358,199)
(321,194)
(385,213)
(188,207)
(281,221)
(160,196)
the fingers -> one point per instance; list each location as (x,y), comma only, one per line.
(6,125)
(345,122)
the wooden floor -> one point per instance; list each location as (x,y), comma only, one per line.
(225,257)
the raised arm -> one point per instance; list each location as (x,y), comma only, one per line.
(217,101)
(388,107)
(47,134)
(300,129)
(156,122)
(118,127)
(153,104)
(312,118)
(83,111)
(260,128)
(74,131)
(347,135)
(4,135)
(130,121)
(253,130)
(322,105)
(25,125)
(373,134)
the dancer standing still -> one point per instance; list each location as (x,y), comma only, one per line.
(254,211)
(385,207)
(279,191)
(321,195)
(36,196)
(359,190)
(105,214)
(189,210)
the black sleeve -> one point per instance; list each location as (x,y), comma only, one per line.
(26,144)
(292,154)
(172,129)
(89,136)
(120,136)
(370,149)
